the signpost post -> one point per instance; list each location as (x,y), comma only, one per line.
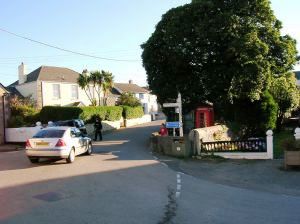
(178,106)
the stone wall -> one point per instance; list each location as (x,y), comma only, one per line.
(106,126)
(132,122)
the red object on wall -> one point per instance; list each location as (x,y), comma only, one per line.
(204,117)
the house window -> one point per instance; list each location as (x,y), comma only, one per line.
(141,96)
(56,91)
(74,92)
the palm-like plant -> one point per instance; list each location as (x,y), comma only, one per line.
(84,83)
(96,78)
(107,84)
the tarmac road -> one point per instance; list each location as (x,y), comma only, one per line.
(123,183)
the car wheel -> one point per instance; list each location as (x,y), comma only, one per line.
(71,157)
(34,160)
(89,150)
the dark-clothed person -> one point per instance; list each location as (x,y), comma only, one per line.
(98,129)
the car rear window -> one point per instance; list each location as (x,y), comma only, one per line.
(49,134)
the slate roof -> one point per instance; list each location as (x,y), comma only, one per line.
(127,87)
(51,73)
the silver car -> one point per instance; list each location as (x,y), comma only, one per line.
(58,142)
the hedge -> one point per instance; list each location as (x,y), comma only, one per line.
(132,112)
(113,113)
(55,113)
(87,114)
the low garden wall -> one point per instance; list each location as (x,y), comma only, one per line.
(106,126)
(20,134)
(136,121)
(218,141)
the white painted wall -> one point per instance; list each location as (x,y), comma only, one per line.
(149,101)
(136,121)
(27,89)
(65,94)
(20,134)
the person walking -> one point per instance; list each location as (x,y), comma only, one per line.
(98,129)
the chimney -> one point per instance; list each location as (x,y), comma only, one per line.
(130,81)
(22,73)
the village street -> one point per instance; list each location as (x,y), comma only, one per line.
(122,182)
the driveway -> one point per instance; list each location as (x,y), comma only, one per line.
(122,182)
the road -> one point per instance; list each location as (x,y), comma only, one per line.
(123,183)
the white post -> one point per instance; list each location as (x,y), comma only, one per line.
(180,115)
(269,144)
(297,133)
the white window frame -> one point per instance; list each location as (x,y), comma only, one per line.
(56,92)
(74,92)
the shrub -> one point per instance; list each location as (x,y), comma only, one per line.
(114,113)
(291,145)
(132,112)
(87,114)
(55,113)
(128,99)
(16,122)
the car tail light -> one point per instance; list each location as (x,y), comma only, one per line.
(27,145)
(60,143)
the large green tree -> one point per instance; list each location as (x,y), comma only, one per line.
(286,94)
(221,51)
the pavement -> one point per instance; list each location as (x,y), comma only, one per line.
(122,182)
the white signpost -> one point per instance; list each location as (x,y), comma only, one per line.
(178,107)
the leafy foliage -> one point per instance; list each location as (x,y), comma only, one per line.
(286,94)
(87,114)
(224,52)
(56,113)
(132,112)
(128,99)
(23,112)
(96,81)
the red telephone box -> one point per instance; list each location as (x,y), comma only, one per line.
(204,117)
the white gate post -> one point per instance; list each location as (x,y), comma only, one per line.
(269,144)
(297,133)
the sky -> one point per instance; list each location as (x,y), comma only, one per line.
(104,28)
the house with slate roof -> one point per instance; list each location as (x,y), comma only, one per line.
(148,100)
(50,86)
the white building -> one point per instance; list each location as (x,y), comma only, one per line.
(51,86)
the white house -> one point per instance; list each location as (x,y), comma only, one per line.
(148,100)
(51,86)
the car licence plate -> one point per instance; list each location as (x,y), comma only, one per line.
(42,143)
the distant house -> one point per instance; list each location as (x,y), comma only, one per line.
(148,100)
(3,112)
(50,86)
(297,73)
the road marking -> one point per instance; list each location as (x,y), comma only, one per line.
(155,157)
(164,164)
(178,185)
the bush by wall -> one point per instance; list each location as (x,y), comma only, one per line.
(23,115)
(55,113)
(87,114)
(113,113)
(132,112)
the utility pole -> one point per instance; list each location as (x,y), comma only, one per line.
(180,114)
